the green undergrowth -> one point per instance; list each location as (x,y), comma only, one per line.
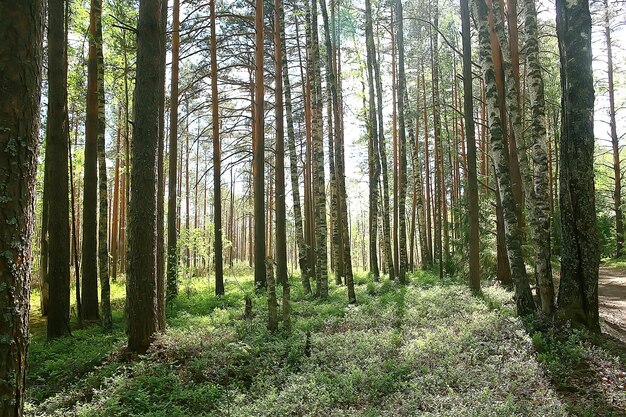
(429,348)
(586,370)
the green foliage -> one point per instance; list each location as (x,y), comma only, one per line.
(560,355)
(428,346)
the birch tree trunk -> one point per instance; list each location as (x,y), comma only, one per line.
(523,295)
(540,219)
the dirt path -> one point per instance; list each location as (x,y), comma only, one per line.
(612,295)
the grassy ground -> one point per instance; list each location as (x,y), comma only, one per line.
(428,349)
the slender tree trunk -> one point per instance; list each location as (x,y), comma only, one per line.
(580,255)
(402,174)
(21,31)
(429,222)
(116,204)
(103,206)
(217,162)
(272,305)
(373,147)
(472,178)
(90,182)
(74,231)
(540,220)
(259,152)
(319,183)
(383,164)
(44,286)
(57,159)
(141,288)
(342,210)
(172,200)
(281,215)
(160,256)
(394,134)
(617,171)
(439,177)
(293,166)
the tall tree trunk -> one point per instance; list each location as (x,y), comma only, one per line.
(293,167)
(383,165)
(116,203)
(74,232)
(141,291)
(160,256)
(172,200)
(523,295)
(103,206)
(281,215)
(472,178)
(394,135)
(617,171)
(21,31)
(90,181)
(217,162)
(259,151)
(57,158)
(402,175)
(429,222)
(373,147)
(44,286)
(540,220)
(439,176)
(319,183)
(342,209)
(580,255)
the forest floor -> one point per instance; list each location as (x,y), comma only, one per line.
(427,349)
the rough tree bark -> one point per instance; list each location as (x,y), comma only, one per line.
(580,255)
(21,31)
(319,183)
(259,152)
(217,162)
(141,291)
(160,257)
(293,167)
(90,181)
(472,178)
(57,159)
